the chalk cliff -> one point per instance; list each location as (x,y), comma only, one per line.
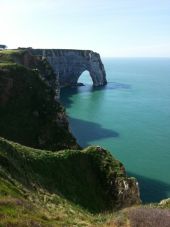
(70,64)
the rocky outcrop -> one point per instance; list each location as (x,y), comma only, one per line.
(70,64)
(165,203)
(127,192)
(123,190)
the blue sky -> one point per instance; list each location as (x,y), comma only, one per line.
(118,28)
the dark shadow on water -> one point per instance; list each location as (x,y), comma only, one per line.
(68,92)
(151,190)
(87,131)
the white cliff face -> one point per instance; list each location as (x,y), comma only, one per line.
(70,64)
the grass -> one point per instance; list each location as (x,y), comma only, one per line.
(149,217)
(44,188)
(81,176)
(10,55)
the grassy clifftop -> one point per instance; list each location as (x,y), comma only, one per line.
(70,182)
(43,188)
(68,188)
(86,177)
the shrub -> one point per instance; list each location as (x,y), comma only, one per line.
(149,217)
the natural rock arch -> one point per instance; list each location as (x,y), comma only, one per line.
(85,77)
(69,65)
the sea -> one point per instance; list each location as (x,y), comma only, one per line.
(130,117)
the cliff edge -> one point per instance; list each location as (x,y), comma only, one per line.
(29,111)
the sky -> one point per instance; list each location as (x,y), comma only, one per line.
(114,28)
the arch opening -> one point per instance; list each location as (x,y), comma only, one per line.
(85,78)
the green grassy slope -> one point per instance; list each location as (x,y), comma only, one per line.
(81,176)
(22,207)
(43,188)
(46,187)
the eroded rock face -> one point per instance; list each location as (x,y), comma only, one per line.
(122,191)
(127,192)
(70,64)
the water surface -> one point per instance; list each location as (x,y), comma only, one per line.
(130,116)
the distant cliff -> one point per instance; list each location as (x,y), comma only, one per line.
(70,64)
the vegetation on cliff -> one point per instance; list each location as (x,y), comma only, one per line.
(66,188)
(86,177)
(30,113)
(81,179)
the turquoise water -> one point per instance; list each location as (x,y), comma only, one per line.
(130,117)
